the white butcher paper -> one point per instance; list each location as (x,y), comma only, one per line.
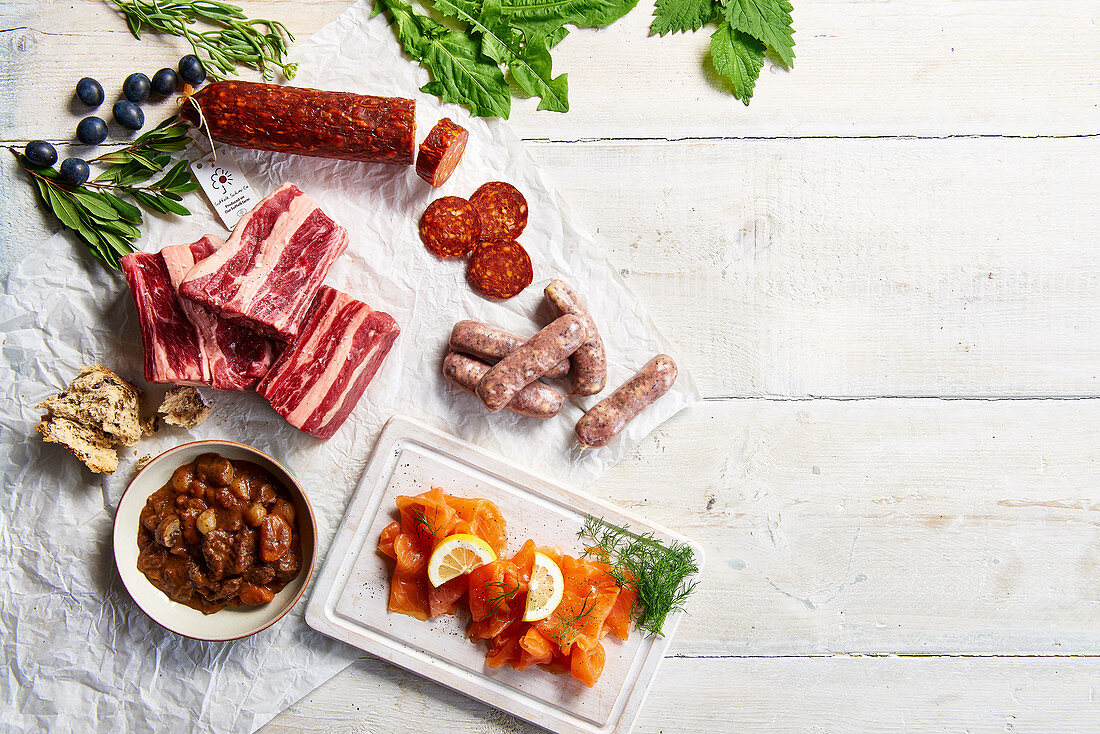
(79,653)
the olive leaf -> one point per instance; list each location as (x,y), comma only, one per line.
(107,224)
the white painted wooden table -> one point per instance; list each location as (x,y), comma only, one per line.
(884,276)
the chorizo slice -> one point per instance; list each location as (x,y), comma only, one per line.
(533,401)
(493,344)
(589,362)
(545,349)
(441,152)
(449,227)
(609,417)
(502,210)
(500,269)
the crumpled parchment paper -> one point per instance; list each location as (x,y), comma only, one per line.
(79,653)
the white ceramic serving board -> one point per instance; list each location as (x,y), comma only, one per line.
(350,599)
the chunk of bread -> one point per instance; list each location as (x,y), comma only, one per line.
(96,412)
(183,407)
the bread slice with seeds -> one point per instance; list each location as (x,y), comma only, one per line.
(96,412)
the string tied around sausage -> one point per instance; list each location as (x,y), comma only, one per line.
(188,98)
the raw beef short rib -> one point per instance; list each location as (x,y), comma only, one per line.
(317,381)
(236,358)
(269,270)
(170,341)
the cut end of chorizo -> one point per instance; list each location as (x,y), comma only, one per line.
(450,227)
(500,269)
(441,152)
(502,210)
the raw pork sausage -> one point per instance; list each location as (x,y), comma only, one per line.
(609,416)
(590,361)
(531,361)
(534,401)
(492,344)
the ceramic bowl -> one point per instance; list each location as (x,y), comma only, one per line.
(230,623)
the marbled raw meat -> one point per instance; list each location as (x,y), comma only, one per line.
(269,270)
(317,381)
(170,340)
(236,357)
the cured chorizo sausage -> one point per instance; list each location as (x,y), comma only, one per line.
(342,125)
(441,152)
(609,417)
(534,401)
(589,375)
(530,362)
(492,344)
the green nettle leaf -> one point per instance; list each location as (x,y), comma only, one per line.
(672,16)
(766,20)
(738,57)
(462,75)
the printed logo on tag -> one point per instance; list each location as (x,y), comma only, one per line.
(225,187)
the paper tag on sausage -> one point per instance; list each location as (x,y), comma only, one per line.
(225,187)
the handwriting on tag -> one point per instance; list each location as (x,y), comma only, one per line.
(225,187)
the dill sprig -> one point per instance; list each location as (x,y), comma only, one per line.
(569,626)
(660,574)
(420,520)
(106,224)
(234,41)
(496,603)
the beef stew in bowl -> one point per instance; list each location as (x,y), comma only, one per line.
(219,575)
(220,532)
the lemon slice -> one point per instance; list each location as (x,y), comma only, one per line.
(456,555)
(545,591)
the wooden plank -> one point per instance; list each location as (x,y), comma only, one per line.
(930,68)
(839,267)
(830,694)
(871,526)
(856,267)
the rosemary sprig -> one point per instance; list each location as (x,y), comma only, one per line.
(658,573)
(234,41)
(105,223)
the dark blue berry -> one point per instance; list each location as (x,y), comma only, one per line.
(191,70)
(74,171)
(91,131)
(128,114)
(89,91)
(40,153)
(136,88)
(164,82)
